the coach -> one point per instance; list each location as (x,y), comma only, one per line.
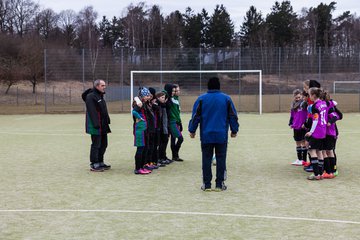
(97,124)
(214,111)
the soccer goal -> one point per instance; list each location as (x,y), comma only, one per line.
(199,83)
(343,82)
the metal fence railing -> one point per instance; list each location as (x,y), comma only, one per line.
(68,72)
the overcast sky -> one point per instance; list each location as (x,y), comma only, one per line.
(236,8)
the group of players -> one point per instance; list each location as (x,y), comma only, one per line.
(156,117)
(313,118)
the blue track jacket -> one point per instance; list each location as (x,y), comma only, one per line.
(214,111)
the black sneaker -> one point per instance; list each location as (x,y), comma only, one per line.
(169,161)
(105,166)
(96,168)
(177,159)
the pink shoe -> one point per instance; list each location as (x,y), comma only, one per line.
(146,170)
(141,171)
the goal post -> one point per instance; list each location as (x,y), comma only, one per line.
(132,73)
(345,82)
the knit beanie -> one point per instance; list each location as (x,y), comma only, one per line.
(214,83)
(143,92)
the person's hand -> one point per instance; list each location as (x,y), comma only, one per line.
(308,134)
(192,135)
(233,135)
(328,124)
(181,127)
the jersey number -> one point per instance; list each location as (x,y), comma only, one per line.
(323,121)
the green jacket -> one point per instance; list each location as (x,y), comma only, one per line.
(175,109)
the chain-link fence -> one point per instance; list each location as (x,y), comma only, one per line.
(68,72)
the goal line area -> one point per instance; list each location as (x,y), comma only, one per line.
(199,83)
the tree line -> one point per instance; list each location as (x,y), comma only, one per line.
(26,30)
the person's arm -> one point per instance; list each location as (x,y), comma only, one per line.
(233,118)
(91,109)
(339,113)
(291,118)
(196,117)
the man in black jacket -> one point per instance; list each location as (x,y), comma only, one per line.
(97,124)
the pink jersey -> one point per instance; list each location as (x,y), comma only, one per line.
(319,113)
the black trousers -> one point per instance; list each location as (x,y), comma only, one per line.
(207,154)
(176,145)
(164,139)
(98,148)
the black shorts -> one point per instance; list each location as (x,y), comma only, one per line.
(315,143)
(329,142)
(299,134)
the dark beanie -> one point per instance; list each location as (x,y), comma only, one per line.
(152,91)
(314,83)
(214,83)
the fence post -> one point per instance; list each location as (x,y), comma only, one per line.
(319,64)
(161,67)
(239,78)
(200,80)
(70,95)
(17,96)
(45,80)
(122,79)
(279,73)
(83,72)
(53,93)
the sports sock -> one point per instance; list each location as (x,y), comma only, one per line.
(332,164)
(315,164)
(327,165)
(321,166)
(299,153)
(304,153)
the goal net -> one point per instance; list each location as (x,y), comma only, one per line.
(243,86)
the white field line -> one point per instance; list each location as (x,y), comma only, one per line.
(176,213)
(26,117)
(34,133)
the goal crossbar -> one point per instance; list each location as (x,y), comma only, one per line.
(335,82)
(196,71)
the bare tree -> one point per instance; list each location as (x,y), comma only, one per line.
(89,34)
(22,13)
(45,23)
(68,23)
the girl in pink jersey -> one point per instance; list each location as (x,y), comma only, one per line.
(298,115)
(334,114)
(317,133)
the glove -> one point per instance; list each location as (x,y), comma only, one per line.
(181,127)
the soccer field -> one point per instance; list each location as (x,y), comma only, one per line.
(48,192)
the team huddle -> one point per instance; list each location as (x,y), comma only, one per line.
(156,119)
(313,119)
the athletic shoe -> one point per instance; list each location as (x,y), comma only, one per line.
(306,164)
(161,164)
(297,162)
(177,159)
(308,169)
(168,161)
(328,175)
(94,168)
(313,177)
(223,187)
(105,166)
(149,167)
(154,165)
(205,189)
(141,171)
(336,173)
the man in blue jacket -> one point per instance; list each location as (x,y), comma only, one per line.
(215,112)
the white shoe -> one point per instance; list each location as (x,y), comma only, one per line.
(297,162)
